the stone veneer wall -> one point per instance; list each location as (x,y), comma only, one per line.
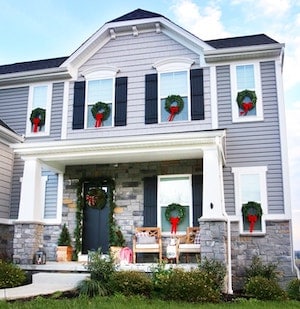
(6,241)
(274,247)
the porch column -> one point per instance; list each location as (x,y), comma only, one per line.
(213,201)
(31,198)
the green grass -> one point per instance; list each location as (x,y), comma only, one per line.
(122,302)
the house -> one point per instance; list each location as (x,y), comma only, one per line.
(144,115)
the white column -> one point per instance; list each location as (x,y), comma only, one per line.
(30,208)
(213,201)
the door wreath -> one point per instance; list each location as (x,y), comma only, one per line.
(100,112)
(252,211)
(174,105)
(246,105)
(174,220)
(96,198)
(37,118)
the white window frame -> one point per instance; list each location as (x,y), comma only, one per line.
(173,65)
(159,205)
(100,74)
(234,91)
(46,131)
(261,171)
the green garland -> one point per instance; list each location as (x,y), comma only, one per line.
(246,93)
(175,207)
(38,113)
(252,208)
(174,98)
(101,107)
(96,198)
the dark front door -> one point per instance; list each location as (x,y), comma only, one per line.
(95,234)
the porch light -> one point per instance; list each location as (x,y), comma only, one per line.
(40,256)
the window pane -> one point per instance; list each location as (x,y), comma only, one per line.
(173,83)
(250,188)
(39,97)
(245,77)
(100,90)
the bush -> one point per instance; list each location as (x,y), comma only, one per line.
(268,271)
(264,289)
(293,289)
(215,271)
(91,288)
(160,276)
(190,286)
(11,275)
(131,283)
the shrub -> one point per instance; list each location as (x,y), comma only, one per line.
(264,289)
(293,289)
(131,283)
(268,271)
(101,267)
(160,276)
(91,288)
(11,275)
(190,286)
(215,271)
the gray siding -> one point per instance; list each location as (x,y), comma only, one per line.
(13,108)
(6,164)
(246,140)
(56,110)
(50,210)
(135,56)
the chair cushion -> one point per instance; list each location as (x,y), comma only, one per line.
(197,238)
(144,238)
(147,246)
(189,246)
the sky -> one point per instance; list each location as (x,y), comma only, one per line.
(41,29)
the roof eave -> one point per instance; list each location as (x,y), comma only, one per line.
(7,136)
(244,52)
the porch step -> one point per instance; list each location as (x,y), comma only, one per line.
(61,267)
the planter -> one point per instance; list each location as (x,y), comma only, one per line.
(115,253)
(64,253)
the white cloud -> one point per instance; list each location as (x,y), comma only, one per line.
(204,22)
(273,8)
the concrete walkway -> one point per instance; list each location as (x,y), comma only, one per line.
(43,284)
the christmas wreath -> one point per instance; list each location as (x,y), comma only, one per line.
(252,211)
(96,198)
(171,108)
(37,118)
(100,112)
(246,105)
(174,220)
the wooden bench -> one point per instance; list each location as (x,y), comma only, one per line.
(147,240)
(186,244)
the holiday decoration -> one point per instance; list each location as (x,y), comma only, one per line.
(252,211)
(96,198)
(100,112)
(174,105)
(175,220)
(37,118)
(246,101)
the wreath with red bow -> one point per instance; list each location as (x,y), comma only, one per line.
(96,198)
(252,211)
(177,218)
(174,105)
(37,118)
(100,112)
(246,101)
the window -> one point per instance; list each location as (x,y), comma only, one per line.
(250,186)
(39,108)
(246,93)
(174,189)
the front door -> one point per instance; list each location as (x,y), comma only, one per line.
(95,234)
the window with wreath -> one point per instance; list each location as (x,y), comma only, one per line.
(39,106)
(251,198)
(246,93)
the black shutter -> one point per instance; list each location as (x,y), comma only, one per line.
(121,102)
(151,99)
(78,105)
(197,198)
(197,98)
(150,201)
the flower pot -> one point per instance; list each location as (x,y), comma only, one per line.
(64,253)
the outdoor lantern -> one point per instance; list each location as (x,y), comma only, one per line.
(40,256)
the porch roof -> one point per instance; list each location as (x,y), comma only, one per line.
(112,150)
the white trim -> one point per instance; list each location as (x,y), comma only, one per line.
(173,64)
(64,125)
(261,172)
(213,98)
(100,72)
(259,104)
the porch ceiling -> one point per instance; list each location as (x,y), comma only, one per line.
(121,149)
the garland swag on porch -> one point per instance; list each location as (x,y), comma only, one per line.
(115,234)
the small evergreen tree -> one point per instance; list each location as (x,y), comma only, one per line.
(65,237)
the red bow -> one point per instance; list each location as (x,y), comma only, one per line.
(252,219)
(173,111)
(99,117)
(174,222)
(246,108)
(36,121)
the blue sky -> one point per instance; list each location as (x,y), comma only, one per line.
(40,29)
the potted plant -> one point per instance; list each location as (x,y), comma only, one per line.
(64,250)
(117,241)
